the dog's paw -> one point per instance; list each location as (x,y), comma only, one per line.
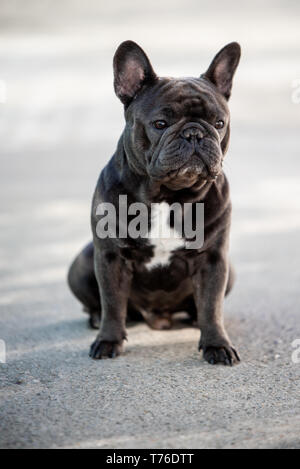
(104,349)
(226,355)
(156,321)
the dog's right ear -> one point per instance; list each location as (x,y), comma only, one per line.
(132,70)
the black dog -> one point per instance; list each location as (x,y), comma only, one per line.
(172,149)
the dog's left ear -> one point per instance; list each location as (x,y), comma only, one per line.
(223,67)
(132,70)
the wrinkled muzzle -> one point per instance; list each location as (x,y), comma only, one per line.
(193,149)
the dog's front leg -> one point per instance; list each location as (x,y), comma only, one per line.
(209,283)
(114,281)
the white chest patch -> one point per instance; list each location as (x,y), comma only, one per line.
(162,237)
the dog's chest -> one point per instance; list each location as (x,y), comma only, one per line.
(164,239)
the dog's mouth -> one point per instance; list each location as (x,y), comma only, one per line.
(195,167)
(182,163)
(192,172)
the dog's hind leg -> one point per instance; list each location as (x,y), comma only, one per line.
(83,284)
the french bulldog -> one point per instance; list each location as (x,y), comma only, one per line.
(171,151)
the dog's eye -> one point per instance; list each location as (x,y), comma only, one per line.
(160,125)
(219,124)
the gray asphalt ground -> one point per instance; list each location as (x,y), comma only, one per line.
(59,125)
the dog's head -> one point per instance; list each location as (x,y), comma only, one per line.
(177,129)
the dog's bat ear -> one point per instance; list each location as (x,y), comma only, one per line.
(132,70)
(223,67)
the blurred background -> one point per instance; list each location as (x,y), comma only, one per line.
(60,122)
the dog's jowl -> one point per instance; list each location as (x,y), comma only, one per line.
(170,155)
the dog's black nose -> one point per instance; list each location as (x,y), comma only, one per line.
(192,132)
